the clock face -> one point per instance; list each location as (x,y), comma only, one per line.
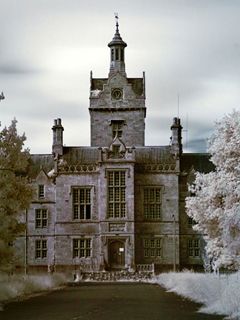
(117,93)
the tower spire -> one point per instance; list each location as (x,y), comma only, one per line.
(117,46)
(116,19)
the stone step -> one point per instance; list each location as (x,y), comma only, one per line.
(112,276)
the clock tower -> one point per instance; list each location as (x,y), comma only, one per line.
(117,103)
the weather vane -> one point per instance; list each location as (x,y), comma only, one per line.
(116,16)
(2,96)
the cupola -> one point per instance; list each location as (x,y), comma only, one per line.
(117,57)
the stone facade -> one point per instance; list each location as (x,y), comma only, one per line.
(118,204)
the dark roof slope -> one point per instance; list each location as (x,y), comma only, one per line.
(199,161)
(38,162)
(80,155)
(97,83)
(137,84)
(154,155)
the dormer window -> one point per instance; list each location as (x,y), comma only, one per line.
(117,128)
(41,191)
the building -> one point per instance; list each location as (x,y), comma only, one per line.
(117,204)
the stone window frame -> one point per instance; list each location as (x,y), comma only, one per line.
(82,207)
(82,248)
(152,247)
(41,248)
(41,191)
(116,194)
(41,218)
(193,246)
(117,128)
(152,205)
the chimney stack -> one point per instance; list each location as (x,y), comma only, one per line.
(57,147)
(176,138)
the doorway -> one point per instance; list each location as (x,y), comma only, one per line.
(116,254)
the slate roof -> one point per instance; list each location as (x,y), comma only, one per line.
(152,155)
(199,161)
(83,155)
(137,84)
(38,162)
(143,155)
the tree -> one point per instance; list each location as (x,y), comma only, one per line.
(15,192)
(215,206)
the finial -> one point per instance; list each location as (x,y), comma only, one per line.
(116,19)
(2,97)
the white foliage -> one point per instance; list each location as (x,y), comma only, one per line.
(218,294)
(15,286)
(216,204)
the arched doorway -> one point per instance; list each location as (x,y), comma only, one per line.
(116,254)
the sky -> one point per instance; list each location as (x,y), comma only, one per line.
(189,50)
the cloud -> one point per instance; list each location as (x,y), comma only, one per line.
(191,48)
(17,69)
(196,145)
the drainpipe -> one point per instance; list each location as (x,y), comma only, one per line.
(174,243)
(26,244)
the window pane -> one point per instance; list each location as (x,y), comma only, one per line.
(82,195)
(75,196)
(158,243)
(158,195)
(40,191)
(196,243)
(122,54)
(88,252)
(38,244)
(117,180)
(44,214)
(88,211)
(82,207)
(44,244)
(41,248)
(196,252)
(116,194)
(88,196)
(152,243)
(152,247)
(152,203)
(75,243)
(82,251)
(122,194)
(146,243)
(75,253)
(82,243)
(146,253)
(117,54)
(81,203)
(44,223)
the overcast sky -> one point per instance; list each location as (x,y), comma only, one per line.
(189,48)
